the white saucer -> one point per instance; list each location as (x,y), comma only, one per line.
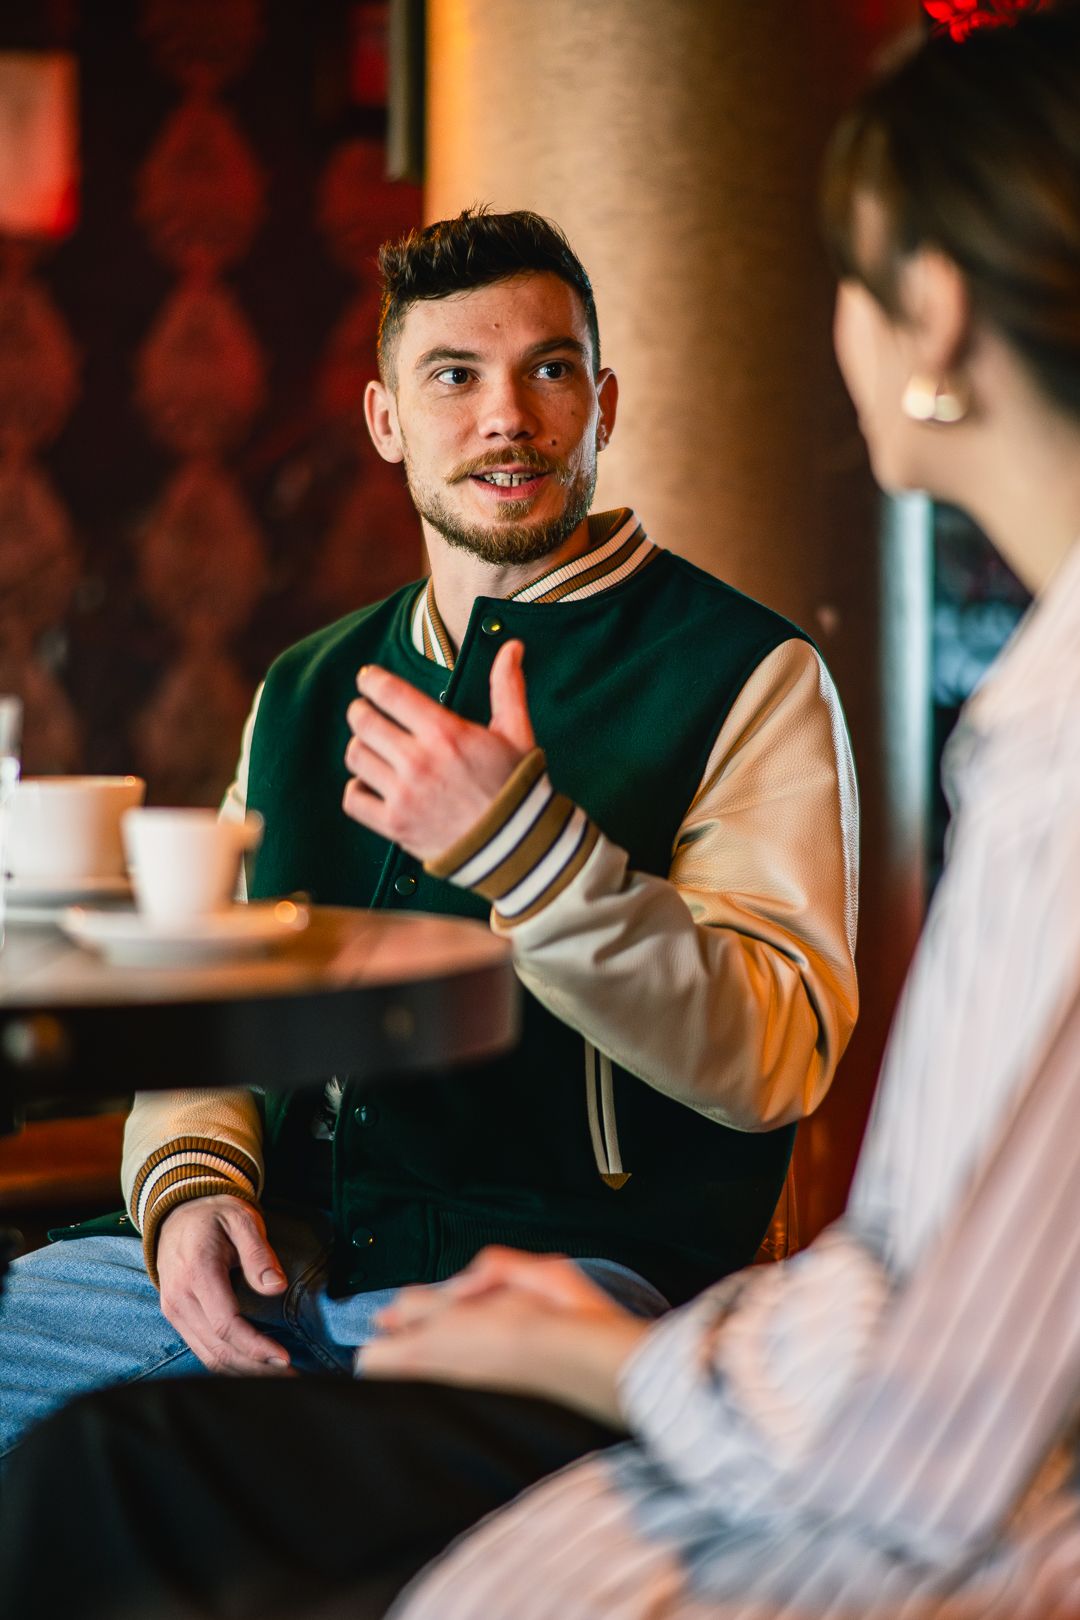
(131,940)
(41,900)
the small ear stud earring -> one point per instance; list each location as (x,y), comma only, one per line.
(927,399)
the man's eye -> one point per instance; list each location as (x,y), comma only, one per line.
(453,376)
(553,370)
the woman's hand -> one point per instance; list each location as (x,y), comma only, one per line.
(533,1324)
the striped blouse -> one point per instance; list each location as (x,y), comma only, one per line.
(889,1424)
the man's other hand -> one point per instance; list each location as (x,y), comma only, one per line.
(422,776)
(199,1244)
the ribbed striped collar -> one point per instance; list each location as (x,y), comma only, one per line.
(619,547)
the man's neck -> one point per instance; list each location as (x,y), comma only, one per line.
(459,577)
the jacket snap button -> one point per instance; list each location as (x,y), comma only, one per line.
(492,625)
(442,695)
(405,885)
(365,1114)
(362,1238)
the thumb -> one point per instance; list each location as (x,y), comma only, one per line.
(509,705)
(258,1262)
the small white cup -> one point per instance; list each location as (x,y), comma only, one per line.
(185,863)
(63,828)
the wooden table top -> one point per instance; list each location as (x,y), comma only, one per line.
(363,993)
(340,949)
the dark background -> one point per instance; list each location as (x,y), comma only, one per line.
(118,674)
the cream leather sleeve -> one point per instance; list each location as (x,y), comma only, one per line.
(188,1144)
(191,1144)
(731,984)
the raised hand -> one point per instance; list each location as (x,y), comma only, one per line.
(422,776)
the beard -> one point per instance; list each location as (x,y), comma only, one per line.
(511,539)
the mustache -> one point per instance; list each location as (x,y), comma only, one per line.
(525,457)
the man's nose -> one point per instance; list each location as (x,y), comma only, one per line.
(507,411)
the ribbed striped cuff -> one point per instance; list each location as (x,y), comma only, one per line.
(185,1168)
(524,851)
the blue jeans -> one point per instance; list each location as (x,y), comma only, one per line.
(83,1314)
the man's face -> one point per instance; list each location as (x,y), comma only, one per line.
(497,416)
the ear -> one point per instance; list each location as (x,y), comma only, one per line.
(380,414)
(607,394)
(937,312)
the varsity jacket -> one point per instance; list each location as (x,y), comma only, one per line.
(688,968)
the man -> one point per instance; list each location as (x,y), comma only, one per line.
(676,873)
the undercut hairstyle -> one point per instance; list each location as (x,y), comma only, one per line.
(973,148)
(475,249)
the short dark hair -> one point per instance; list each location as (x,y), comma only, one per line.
(474,249)
(974,148)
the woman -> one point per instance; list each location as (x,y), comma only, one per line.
(886,1425)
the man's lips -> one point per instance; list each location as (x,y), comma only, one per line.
(509,477)
(511,480)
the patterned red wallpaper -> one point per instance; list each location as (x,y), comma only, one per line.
(185,482)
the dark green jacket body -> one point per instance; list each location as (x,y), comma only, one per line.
(627,690)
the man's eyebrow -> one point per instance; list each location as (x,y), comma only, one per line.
(443,356)
(549,345)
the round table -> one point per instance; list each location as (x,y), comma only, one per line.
(359,992)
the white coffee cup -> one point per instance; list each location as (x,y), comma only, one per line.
(185,863)
(65,828)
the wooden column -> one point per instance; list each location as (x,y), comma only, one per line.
(679,146)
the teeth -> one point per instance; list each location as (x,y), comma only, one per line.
(508,480)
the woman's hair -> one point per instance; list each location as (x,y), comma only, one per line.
(974,148)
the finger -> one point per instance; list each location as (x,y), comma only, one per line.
(230,1342)
(389,1358)
(411,1306)
(249,1352)
(260,1265)
(482,1275)
(501,1263)
(559,1282)
(221,1338)
(241,1348)
(549,1277)
(382,735)
(361,712)
(402,702)
(369,769)
(360,804)
(235,1363)
(498,1267)
(509,703)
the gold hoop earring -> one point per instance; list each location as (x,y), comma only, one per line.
(927,399)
